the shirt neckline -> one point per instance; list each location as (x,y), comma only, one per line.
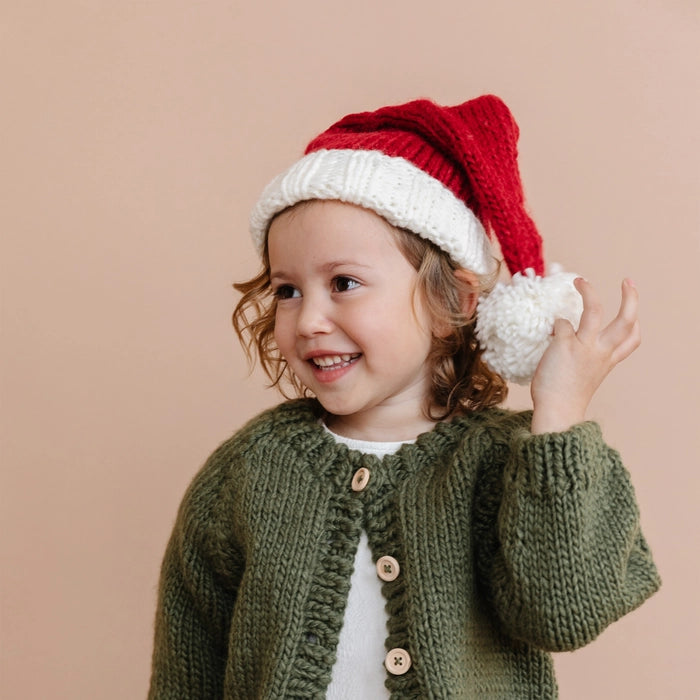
(367,446)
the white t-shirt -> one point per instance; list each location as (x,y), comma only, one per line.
(359,673)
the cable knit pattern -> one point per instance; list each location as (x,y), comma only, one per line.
(509,545)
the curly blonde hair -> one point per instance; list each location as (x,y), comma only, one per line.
(460,381)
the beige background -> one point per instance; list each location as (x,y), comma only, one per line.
(135,137)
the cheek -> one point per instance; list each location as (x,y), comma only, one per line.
(282,333)
(408,317)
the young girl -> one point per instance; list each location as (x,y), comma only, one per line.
(394,533)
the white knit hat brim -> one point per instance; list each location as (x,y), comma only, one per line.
(394,188)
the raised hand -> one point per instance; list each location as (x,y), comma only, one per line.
(576,362)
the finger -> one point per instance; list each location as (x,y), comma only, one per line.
(592,315)
(624,349)
(622,328)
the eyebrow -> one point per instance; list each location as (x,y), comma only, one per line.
(326,267)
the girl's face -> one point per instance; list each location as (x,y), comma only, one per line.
(348,321)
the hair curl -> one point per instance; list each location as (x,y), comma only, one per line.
(460,380)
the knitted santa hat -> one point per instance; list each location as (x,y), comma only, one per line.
(450,175)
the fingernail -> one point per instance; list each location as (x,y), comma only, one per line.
(631,282)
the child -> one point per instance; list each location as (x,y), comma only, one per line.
(395,534)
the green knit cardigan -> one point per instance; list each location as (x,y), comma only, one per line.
(510,545)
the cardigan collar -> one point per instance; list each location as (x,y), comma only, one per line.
(298,423)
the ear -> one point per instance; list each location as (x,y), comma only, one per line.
(468,285)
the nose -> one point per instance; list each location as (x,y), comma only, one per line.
(314,317)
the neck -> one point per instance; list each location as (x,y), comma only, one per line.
(378,427)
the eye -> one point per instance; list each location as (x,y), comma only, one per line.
(344,284)
(286,291)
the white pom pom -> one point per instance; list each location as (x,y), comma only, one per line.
(515,321)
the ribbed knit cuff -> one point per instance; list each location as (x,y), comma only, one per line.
(555,462)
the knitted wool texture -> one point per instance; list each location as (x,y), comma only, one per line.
(470,148)
(509,545)
(468,152)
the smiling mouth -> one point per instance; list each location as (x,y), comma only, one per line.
(330,362)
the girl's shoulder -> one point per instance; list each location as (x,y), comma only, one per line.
(291,424)
(287,422)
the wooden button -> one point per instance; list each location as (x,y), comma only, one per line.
(397,662)
(360,479)
(387,568)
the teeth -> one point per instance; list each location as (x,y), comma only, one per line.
(333,360)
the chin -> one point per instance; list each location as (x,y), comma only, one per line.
(337,407)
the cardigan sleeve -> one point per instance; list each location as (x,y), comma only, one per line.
(198,582)
(561,551)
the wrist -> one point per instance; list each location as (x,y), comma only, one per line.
(554,421)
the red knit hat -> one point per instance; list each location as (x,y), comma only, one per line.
(448,174)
